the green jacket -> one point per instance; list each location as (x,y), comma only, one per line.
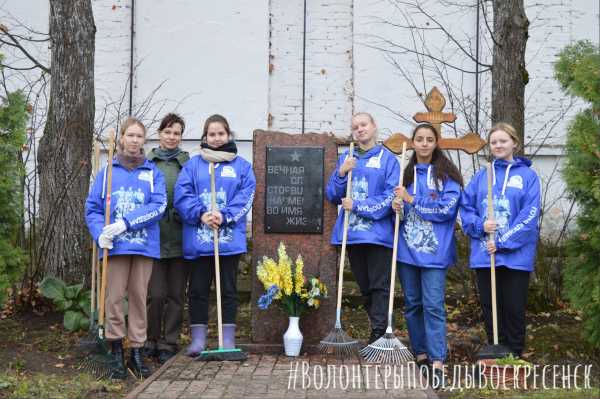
(170,224)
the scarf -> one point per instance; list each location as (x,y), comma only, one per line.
(130,162)
(225,153)
(166,155)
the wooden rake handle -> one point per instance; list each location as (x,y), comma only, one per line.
(109,168)
(491,237)
(95,167)
(213,208)
(344,238)
(395,247)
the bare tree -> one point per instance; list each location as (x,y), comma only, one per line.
(64,150)
(509,76)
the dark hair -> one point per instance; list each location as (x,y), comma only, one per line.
(216,118)
(169,120)
(443,168)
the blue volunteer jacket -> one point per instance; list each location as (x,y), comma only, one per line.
(427,230)
(235,185)
(516,190)
(373,181)
(139,198)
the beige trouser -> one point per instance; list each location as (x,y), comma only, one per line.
(128,275)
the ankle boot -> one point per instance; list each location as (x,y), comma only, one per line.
(198,340)
(228,336)
(118,370)
(136,363)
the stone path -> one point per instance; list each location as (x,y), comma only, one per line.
(276,377)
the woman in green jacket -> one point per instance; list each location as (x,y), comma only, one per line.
(168,283)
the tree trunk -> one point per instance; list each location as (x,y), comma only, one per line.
(509,75)
(63,242)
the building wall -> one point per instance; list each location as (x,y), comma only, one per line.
(244,59)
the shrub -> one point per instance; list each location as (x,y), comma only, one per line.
(578,71)
(73,300)
(13,117)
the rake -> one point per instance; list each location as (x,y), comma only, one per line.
(221,353)
(338,342)
(388,348)
(100,361)
(495,351)
(87,343)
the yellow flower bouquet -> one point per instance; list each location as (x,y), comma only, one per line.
(284,281)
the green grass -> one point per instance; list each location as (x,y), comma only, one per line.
(21,385)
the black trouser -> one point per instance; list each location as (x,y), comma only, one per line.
(166,293)
(371,265)
(511,298)
(201,278)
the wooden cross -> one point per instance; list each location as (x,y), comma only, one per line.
(435,103)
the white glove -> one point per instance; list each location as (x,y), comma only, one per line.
(115,228)
(105,242)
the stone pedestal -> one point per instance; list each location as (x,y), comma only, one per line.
(268,326)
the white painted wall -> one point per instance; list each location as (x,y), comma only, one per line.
(243,59)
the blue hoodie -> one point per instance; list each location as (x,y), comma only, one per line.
(235,184)
(139,198)
(516,190)
(373,181)
(427,231)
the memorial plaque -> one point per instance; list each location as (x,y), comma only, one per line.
(318,155)
(294,190)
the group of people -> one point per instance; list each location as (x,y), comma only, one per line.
(160,237)
(429,199)
(162,221)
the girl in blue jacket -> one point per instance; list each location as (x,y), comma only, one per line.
(375,173)
(235,184)
(429,199)
(138,202)
(516,192)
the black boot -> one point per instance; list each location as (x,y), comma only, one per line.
(118,370)
(136,363)
(375,335)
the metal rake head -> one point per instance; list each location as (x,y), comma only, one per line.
(387,349)
(100,365)
(339,344)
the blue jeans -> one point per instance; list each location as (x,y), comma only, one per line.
(424,293)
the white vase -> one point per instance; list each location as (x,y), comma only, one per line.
(292,339)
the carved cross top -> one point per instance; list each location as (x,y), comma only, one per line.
(435,103)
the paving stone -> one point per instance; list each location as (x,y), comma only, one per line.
(272,377)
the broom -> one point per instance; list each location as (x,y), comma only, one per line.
(100,362)
(88,342)
(221,353)
(388,348)
(338,342)
(495,351)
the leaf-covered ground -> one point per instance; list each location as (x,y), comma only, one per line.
(38,359)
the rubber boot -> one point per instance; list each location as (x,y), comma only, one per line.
(136,363)
(118,370)
(228,336)
(198,340)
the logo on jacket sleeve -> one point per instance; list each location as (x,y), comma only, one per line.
(515,181)
(228,171)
